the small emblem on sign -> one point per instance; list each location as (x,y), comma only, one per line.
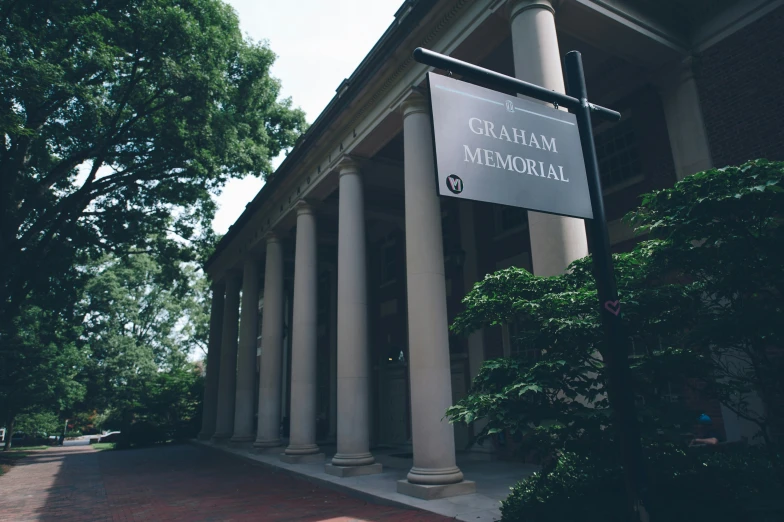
(509,106)
(454,184)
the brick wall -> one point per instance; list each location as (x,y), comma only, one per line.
(740,83)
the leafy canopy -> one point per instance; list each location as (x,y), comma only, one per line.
(118,119)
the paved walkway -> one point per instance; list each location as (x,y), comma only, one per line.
(493,479)
(184,483)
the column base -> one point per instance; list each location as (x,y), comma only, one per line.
(302,459)
(352,471)
(263,446)
(204,436)
(240,442)
(220,438)
(426,492)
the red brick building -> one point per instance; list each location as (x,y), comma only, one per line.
(351,268)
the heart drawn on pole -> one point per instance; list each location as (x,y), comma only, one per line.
(614,307)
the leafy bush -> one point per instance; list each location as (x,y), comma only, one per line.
(558,398)
(689,486)
(147,433)
(701,301)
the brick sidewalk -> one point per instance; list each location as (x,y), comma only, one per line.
(184,482)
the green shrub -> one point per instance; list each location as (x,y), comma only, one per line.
(146,433)
(687,486)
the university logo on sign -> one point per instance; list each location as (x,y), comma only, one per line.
(508,151)
(454,184)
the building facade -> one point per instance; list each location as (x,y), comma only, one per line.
(333,292)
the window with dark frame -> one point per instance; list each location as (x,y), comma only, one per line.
(509,218)
(618,153)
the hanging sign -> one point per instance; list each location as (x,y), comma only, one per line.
(498,148)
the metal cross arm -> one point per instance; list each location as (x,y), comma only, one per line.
(507,83)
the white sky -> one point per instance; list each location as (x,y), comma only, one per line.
(318,43)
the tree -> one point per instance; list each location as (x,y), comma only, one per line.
(118,120)
(555,398)
(701,301)
(38,366)
(137,325)
(723,230)
(44,423)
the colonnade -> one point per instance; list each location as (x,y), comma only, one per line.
(229,399)
(555,242)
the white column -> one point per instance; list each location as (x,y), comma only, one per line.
(476,344)
(353,456)
(556,241)
(246,353)
(685,125)
(333,353)
(476,341)
(435,467)
(210,405)
(224,425)
(268,433)
(302,442)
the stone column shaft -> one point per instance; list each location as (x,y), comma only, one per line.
(429,364)
(353,357)
(268,433)
(228,366)
(685,124)
(213,363)
(302,440)
(556,241)
(246,353)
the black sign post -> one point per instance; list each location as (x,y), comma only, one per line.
(619,389)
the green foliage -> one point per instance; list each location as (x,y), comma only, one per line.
(38,365)
(137,328)
(726,486)
(119,120)
(723,230)
(701,300)
(558,399)
(44,423)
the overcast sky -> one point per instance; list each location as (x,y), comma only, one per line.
(318,43)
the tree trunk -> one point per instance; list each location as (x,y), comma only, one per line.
(9,432)
(124,440)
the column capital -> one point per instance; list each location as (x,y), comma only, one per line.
(303,207)
(675,73)
(252,257)
(414,103)
(348,165)
(518,6)
(271,237)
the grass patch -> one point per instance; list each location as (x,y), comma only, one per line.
(11,457)
(103,446)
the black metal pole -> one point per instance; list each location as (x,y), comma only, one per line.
(508,83)
(616,356)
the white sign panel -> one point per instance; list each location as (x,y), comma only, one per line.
(497,148)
